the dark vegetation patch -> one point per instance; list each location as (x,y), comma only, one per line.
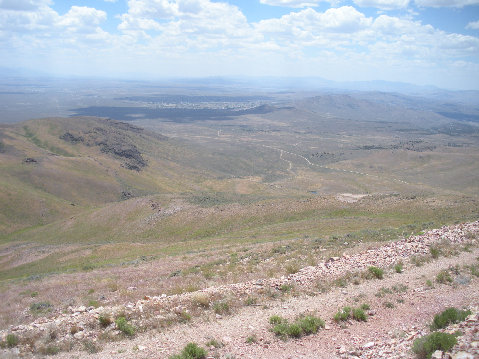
(168,98)
(180,115)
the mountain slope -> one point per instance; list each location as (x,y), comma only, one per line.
(53,167)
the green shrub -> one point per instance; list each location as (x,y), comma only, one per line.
(342,314)
(424,347)
(191,351)
(252,339)
(398,268)
(449,316)
(105,320)
(434,252)
(221,308)
(303,325)
(184,316)
(281,329)
(389,305)
(294,331)
(359,315)
(444,277)
(41,307)
(125,327)
(250,301)
(12,340)
(292,268)
(276,319)
(376,272)
(285,288)
(49,350)
(310,324)
(214,343)
(91,347)
(365,306)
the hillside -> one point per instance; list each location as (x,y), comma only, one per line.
(53,168)
(101,213)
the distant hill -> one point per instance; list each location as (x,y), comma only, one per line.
(52,167)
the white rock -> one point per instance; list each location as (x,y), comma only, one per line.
(462,355)
(437,354)
(368,345)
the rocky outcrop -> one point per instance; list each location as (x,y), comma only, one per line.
(114,139)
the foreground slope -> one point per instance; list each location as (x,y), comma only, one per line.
(402,303)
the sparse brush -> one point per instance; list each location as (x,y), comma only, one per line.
(376,272)
(285,288)
(444,277)
(449,316)
(343,314)
(214,343)
(276,319)
(105,320)
(359,315)
(125,327)
(423,347)
(251,339)
(91,347)
(191,351)
(41,307)
(201,300)
(303,325)
(435,252)
(365,306)
(250,301)
(222,308)
(399,267)
(11,340)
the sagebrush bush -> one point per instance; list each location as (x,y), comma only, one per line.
(359,315)
(105,320)
(449,316)
(434,252)
(398,268)
(191,351)
(423,347)
(11,340)
(376,272)
(444,277)
(342,314)
(221,308)
(303,325)
(275,319)
(125,327)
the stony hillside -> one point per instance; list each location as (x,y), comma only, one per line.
(401,285)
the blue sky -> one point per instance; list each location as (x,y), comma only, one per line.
(426,42)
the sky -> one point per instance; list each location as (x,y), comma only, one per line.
(423,42)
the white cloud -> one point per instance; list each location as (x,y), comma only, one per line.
(23,5)
(445,3)
(202,37)
(292,3)
(81,18)
(474,25)
(345,19)
(383,4)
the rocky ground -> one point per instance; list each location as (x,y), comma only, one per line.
(231,321)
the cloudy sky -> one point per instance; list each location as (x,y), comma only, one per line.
(418,41)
